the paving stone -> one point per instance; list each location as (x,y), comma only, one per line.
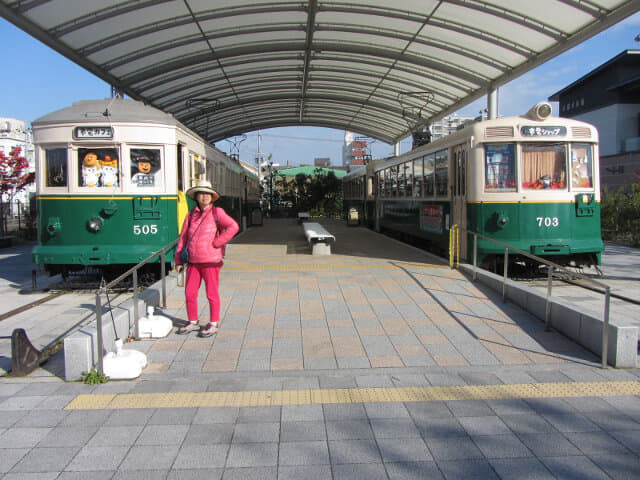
(209,434)
(597,443)
(370,471)
(520,469)
(302,431)
(619,467)
(469,469)
(315,472)
(403,450)
(98,458)
(354,451)
(489,425)
(252,455)
(574,468)
(115,436)
(548,444)
(10,456)
(162,435)
(68,436)
(42,459)
(201,457)
(303,453)
(149,457)
(256,432)
(399,428)
(452,448)
(501,446)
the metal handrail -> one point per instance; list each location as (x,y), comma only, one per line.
(454,246)
(133,271)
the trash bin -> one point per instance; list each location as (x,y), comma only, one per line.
(353,217)
(256,216)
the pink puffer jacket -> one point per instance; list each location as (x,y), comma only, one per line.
(202,247)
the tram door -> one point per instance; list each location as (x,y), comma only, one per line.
(459,193)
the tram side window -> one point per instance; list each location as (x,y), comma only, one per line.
(401,180)
(98,167)
(393,171)
(543,166)
(429,175)
(417,178)
(56,167)
(408,176)
(442,172)
(500,167)
(146,165)
(387,182)
(581,166)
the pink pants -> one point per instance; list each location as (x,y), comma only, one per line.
(195,274)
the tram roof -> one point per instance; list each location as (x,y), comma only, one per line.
(377,67)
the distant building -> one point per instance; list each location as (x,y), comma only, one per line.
(322,162)
(447,126)
(15,133)
(354,150)
(608,97)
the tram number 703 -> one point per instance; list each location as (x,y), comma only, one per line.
(547,221)
(145,229)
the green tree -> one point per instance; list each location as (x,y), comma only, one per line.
(620,213)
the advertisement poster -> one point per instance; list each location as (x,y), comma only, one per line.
(431,218)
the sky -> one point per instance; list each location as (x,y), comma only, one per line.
(36,80)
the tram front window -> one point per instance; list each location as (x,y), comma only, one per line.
(500,167)
(543,166)
(56,167)
(581,166)
(98,167)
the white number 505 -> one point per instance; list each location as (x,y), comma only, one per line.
(548,221)
(145,229)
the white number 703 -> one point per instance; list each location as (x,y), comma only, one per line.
(548,221)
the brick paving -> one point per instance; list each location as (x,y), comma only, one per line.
(374,315)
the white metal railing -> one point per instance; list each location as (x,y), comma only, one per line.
(133,271)
(454,253)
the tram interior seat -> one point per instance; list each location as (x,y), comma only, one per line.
(318,237)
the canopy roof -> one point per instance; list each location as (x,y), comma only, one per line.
(376,67)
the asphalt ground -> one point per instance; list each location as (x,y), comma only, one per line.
(375,362)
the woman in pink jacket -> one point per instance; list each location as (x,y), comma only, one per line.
(205,232)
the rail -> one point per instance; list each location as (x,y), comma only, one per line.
(454,259)
(133,271)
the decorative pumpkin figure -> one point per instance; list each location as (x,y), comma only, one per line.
(91,170)
(109,172)
(143,177)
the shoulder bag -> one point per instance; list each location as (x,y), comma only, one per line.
(184,253)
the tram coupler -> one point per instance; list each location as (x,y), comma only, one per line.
(25,358)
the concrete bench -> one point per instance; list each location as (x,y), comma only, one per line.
(318,238)
(303,216)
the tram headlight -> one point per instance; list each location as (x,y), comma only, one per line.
(502,220)
(53,226)
(94,224)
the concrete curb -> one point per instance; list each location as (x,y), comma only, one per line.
(584,329)
(81,348)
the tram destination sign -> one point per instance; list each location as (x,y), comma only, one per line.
(546,131)
(93,132)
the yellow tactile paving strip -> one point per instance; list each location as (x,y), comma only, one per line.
(351,395)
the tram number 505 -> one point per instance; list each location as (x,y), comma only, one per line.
(547,221)
(145,229)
